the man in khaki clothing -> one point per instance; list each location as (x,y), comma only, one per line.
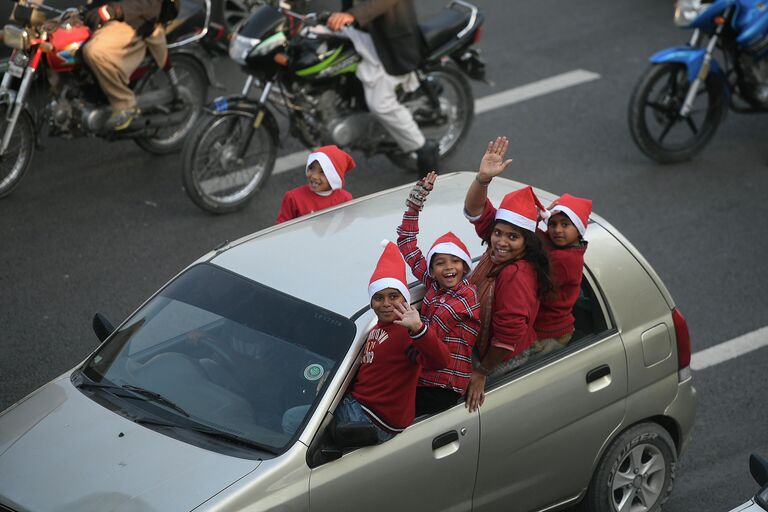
(123,31)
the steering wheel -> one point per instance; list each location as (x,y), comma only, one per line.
(213,345)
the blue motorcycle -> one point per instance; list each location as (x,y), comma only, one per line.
(683,97)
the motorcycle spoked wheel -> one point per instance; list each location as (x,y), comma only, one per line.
(15,162)
(457,104)
(213,175)
(194,88)
(654,120)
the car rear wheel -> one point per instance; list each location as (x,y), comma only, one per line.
(636,473)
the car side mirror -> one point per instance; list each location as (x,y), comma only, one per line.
(758,467)
(355,435)
(102,327)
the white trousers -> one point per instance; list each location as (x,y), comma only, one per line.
(380,95)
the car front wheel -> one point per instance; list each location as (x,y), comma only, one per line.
(636,472)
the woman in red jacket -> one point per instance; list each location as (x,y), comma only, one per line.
(511,277)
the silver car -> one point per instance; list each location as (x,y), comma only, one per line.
(218,392)
(758,467)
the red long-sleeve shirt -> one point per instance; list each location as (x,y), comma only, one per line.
(385,385)
(566,267)
(452,314)
(515,297)
(302,201)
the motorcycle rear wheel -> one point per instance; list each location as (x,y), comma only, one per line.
(15,162)
(214,177)
(654,120)
(194,85)
(456,102)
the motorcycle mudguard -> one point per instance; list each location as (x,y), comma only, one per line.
(693,58)
(205,61)
(238,103)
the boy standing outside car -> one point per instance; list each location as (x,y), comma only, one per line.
(450,307)
(326,168)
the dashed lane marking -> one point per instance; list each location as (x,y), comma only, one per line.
(482,105)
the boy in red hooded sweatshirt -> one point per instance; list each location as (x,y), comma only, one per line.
(325,171)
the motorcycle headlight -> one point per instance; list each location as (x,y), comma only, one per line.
(686,11)
(16,37)
(240,47)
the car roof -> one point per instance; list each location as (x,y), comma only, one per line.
(327,258)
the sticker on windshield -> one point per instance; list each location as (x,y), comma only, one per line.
(313,372)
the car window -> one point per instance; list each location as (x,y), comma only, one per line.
(233,354)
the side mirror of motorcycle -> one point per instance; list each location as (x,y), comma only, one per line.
(102,327)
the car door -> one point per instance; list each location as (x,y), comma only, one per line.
(430,466)
(543,427)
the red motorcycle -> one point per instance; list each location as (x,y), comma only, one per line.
(48,84)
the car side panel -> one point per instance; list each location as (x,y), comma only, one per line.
(541,431)
(404,473)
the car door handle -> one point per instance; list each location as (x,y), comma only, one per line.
(598,378)
(445,439)
(445,444)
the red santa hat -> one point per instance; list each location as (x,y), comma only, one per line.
(577,209)
(449,244)
(334,162)
(390,272)
(522,208)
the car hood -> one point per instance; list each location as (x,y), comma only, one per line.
(61,451)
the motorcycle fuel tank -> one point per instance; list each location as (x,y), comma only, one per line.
(67,41)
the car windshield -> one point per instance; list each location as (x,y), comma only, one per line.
(222,353)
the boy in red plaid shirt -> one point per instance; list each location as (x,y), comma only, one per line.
(450,307)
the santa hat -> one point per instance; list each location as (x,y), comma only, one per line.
(390,272)
(577,209)
(334,162)
(522,208)
(449,244)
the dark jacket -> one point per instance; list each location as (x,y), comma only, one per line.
(394,29)
(142,15)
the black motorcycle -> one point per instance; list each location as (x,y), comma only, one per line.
(309,76)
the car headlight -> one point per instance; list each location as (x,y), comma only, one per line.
(16,37)
(686,11)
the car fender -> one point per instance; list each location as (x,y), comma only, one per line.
(693,58)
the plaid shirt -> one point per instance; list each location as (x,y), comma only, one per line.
(452,314)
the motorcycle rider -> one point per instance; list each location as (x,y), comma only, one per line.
(392,47)
(122,33)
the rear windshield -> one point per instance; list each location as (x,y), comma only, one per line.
(225,353)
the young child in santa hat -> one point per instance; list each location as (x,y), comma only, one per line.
(396,349)
(325,171)
(563,237)
(450,307)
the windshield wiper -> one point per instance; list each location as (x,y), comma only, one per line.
(137,393)
(153,395)
(202,429)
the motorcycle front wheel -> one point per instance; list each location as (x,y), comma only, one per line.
(447,125)
(226,161)
(194,90)
(18,155)
(654,120)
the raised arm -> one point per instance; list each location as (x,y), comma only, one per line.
(408,231)
(491,165)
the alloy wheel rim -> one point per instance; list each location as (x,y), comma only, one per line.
(638,482)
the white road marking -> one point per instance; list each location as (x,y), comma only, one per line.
(730,349)
(482,105)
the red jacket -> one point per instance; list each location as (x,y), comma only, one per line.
(566,267)
(453,315)
(302,201)
(385,385)
(515,297)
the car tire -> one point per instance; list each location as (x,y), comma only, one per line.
(635,474)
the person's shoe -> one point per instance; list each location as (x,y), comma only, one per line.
(121,119)
(427,157)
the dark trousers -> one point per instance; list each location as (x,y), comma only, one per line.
(431,400)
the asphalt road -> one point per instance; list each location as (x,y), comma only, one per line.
(98,227)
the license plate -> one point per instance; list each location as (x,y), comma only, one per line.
(15,70)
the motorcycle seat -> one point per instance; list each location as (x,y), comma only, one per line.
(441,28)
